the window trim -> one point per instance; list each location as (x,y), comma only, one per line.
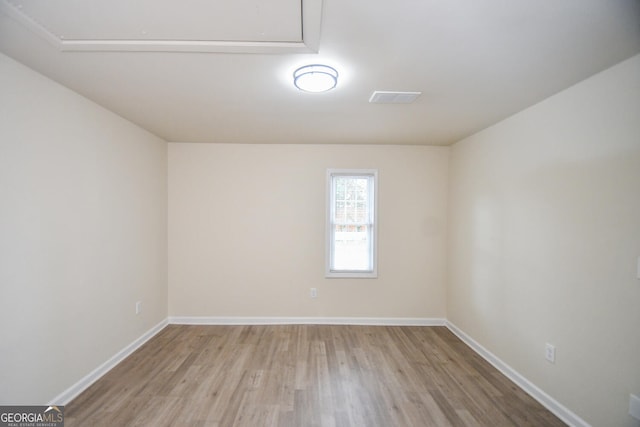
(334,274)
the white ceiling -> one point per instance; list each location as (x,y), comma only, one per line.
(475,62)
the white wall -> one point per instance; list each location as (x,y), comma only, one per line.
(545,235)
(247,231)
(82,235)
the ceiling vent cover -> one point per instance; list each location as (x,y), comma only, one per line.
(390,97)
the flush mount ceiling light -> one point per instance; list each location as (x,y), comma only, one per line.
(315,78)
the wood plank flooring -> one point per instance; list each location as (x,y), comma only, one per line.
(303,376)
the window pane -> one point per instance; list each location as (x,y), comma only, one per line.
(351,248)
(340,215)
(361,214)
(351,199)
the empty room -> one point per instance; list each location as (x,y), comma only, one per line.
(320,213)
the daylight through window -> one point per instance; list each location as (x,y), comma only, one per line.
(351,223)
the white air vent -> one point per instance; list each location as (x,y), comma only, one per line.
(389,97)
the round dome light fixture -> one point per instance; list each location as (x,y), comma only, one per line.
(315,78)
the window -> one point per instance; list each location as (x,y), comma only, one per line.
(351,223)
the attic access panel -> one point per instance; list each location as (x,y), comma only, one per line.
(167,25)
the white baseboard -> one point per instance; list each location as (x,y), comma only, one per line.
(379,321)
(73,391)
(547,401)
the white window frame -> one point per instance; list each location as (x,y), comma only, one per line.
(372,174)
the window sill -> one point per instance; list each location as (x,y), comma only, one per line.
(351,275)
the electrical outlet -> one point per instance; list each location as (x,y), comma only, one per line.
(550,353)
(139,307)
(313,293)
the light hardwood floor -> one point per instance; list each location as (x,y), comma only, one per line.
(305,375)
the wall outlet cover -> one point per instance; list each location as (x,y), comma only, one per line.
(550,353)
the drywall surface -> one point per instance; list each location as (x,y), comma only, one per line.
(247,231)
(544,242)
(83,201)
